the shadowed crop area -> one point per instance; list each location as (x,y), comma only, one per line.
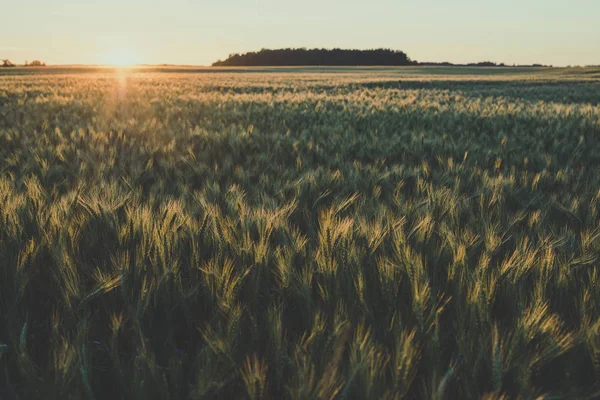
(344,233)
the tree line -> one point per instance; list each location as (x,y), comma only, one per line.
(35,63)
(302,56)
(478,64)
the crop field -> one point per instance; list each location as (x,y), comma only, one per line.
(316,233)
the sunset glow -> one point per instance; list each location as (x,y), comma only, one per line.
(119,57)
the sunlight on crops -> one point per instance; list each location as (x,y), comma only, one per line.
(305,234)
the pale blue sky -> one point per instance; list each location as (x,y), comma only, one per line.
(557,32)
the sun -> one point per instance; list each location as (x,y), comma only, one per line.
(119,57)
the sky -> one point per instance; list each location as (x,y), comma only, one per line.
(554,32)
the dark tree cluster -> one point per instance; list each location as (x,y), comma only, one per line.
(339,57)
(302,56)
(35,63)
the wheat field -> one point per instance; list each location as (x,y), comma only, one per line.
(316,233)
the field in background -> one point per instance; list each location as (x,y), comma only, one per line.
(367,72)
(303,233)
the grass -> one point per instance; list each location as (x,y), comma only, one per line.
(300,233)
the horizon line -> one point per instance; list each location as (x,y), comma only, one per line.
(418,64)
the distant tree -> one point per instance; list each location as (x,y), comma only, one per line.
(37,63)
(483,64)
(7,63)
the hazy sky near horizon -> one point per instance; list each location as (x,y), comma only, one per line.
(554,32)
